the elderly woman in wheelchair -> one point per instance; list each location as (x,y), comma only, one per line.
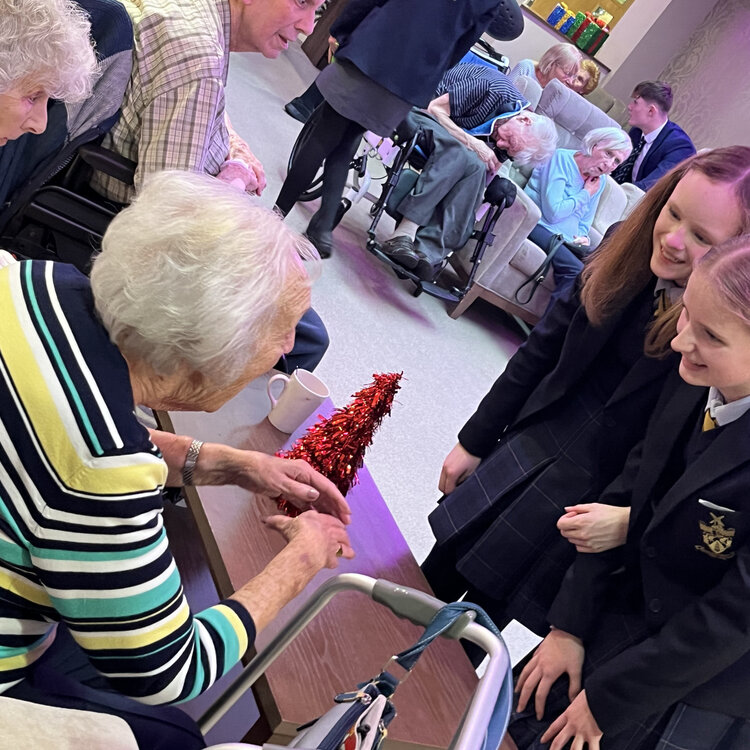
(45,52)
(179,313)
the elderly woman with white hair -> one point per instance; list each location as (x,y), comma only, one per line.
(560,61)
(567,190)
(45,52)
(180,313)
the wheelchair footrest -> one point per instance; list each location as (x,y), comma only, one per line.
(429,287)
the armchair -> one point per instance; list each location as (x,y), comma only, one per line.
(512,258)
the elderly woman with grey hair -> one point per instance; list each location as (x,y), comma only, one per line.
(567,190)
(560,61)
(45,52)
(180,313)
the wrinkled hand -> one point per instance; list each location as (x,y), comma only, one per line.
(295,480)
(595,527)
(238,175)
(591,184)
(558,654)
(259,178)
(319,539)
(458,465)
(333,45)
(576,723)
(486,154)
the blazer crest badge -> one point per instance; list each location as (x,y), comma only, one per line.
(717,538)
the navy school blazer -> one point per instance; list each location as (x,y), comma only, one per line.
(688,555)
(672,146)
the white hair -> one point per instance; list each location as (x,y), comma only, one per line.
(540,141)
(47,43)
(564,54)
(194,274)
(612,138)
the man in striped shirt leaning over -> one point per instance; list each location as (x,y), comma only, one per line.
(174,112)
(438,213)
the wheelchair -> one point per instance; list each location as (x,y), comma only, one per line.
(402,157)
(48,211)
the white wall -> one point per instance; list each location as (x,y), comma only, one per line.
(652,47)
(710,80)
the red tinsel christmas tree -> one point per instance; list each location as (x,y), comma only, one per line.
(336,446)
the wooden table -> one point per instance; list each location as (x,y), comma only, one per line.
(353,637)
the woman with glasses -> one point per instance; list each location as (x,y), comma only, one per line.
(560,61)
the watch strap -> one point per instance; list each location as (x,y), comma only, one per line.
(191,459)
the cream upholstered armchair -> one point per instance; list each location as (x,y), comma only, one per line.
(512,258)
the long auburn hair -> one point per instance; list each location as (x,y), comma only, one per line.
(620,270)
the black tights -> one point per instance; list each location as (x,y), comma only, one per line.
(329,137)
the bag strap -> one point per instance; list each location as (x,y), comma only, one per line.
(536,278)
(443,620)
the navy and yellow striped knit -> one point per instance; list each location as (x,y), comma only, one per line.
(81,532)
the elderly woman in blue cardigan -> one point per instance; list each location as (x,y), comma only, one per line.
(567,189)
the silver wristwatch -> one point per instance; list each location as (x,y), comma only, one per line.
(191,460)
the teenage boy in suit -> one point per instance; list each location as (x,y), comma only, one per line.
(658,143)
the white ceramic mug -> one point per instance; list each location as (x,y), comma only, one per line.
(303,393)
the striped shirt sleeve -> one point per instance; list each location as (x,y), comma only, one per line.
(81,532)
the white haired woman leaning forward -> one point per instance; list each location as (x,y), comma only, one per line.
(195,293)
(45,52)
(567,190)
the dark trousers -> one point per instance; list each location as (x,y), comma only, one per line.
(327,137)
(565,265)
(64,677)
(439,568)
(310,344)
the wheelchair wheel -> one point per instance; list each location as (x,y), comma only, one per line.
(316,187)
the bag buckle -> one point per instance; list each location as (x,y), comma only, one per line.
(388,668)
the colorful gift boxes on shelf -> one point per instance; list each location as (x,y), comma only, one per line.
(578,19)
(567,22)
(557,14)
(585,31)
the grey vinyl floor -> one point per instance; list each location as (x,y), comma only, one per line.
(374,322)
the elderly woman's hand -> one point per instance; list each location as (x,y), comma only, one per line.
(321,539)
(294,480)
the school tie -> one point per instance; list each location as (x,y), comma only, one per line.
(709,423)
(624,173)
(662,303)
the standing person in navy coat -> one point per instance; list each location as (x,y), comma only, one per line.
(657,629)
(390,56)
(658,143)
(556,427)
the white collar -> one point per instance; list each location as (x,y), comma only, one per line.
(674,292)
(725,413)
(654,134)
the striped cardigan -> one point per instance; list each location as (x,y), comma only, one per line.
(81,532)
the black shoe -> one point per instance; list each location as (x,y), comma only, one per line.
(425,270)
(323,242)
(401,250)
(297,110)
